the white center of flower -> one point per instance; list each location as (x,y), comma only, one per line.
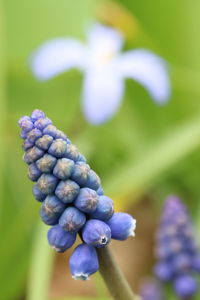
(104,57)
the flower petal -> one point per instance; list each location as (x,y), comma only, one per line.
(57,56)
(104,39)
(102,95)
(149,70)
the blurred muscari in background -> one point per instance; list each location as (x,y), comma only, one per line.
(143,152)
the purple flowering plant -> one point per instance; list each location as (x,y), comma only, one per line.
(72,199)
(178,257)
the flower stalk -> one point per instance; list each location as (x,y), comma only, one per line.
(113,276)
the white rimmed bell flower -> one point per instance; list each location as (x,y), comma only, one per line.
(105,68)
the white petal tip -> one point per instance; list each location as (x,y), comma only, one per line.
(133,227)
(132,234)
(81,276)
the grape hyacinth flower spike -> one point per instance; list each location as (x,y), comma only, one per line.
(176,250)
(105,69)
(73,202)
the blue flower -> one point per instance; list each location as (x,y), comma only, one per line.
(51,210)
(151,290)
(122,226)
(176,250)
(104,210)
(104,68)
(96,233)
(87,200)
(33,172)
(185,286)
(72,220)
(63,168)
(71,195)
(83,262)
(60,239)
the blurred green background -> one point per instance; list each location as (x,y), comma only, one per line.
(143,154)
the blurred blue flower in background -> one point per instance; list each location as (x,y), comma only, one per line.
(151,289)
(104,68)
(176,249)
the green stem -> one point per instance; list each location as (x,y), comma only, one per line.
(113,276)
(41,266)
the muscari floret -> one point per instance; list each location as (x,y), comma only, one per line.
(104,209)
(83,262)
(60,239)
(72,219)
(51,210)
(96,233)
(87,200)
(122,226)
(72,197)
(176,250)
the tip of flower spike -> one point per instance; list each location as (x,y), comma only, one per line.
(81,276)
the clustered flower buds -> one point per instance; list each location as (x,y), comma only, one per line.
(73,201)
(151,289)
(176,250)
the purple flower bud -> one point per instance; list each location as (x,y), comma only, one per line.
(51,210)
(182,262)
(42,123)
(93,180)
(196,263)
(46,163)
(38,194)
(23,134)
(176,248)
(26,124)
(32,155)
(58,148)
(33,172)
(44,142)
(122,226)
(60,239)
(33,135)
(96,233)
(163,271)
(63,168)
(37,114)
(50,130)
(47,183)
(86,200)
(100,191)
(151,290)
(185,286)
(61,135)
(104,210)
(72,219)
(72,152)
(67,191)
(83,262)
(27,145)
(81,157)
(80,173)
(22,119)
